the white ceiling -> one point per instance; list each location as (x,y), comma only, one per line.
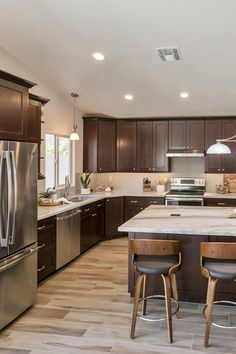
(55,39)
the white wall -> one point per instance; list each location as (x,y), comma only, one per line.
(58,113)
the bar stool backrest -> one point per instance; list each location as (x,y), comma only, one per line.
(218,250)
(155,247)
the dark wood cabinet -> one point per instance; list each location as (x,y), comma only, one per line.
(186,134)
(126,146)
(13,107)
(114,216)
(47,252)
(220,202)
(133,205)
(177,134)
(92,225)
(220,129)
(160,162)
(144,145)
(34,124)
(99,145)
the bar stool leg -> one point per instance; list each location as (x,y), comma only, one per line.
(167,288)
(175,291)
(136,302)
(209,302)
(144,302)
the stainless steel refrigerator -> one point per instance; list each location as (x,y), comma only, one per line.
(18,228)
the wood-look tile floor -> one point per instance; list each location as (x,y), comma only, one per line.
(85,308)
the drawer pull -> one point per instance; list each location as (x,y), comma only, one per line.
(87,209)
(108,200)
(95,214)
(99,205)
(134,201)
(40,269)
(41,246)
(41,227)
(221,203)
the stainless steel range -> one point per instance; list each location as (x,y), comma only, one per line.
(186,191)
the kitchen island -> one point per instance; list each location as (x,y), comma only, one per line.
(190,225)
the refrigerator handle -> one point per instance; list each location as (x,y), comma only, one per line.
(1,206)
(17,258)
(14,199)
(5,240)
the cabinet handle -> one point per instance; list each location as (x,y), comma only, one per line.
(108,200)
(150,168)
(95,214)
(141,208)
(221,203)
(99,205)
(40,269)
(218,169)
(154,202)
(153,168)
(87,209)
(223,169)
(100,169)
(41,227)
(133,201)
(134,169)
(41,246)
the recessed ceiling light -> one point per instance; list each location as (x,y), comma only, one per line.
(129,97)
(98,56)
(184,94)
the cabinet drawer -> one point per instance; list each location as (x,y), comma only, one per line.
(46,265)
(220,202)
(45,224)
(154,201)
(46,241)
(135,201)
(86,209)
(98,205)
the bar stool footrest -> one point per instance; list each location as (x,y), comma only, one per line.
(156,319)
(223,302)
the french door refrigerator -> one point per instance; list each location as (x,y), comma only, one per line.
(18,228)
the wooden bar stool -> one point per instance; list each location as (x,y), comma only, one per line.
(218,262)
(155,257)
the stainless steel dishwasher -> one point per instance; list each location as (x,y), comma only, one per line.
(68,237)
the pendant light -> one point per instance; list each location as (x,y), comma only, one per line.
(74,135)
(220,148)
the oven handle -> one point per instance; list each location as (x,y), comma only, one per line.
(185,199)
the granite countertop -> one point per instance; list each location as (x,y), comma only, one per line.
(192,221)
(47,211)
(219,195)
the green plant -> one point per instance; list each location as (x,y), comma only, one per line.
(85,180)
(48,194)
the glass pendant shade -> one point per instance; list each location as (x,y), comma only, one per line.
(218,148)
(74,135)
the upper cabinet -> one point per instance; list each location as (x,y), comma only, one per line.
(126,146)
(13,107)
(144,146)
(217,129)
(99,148)
(160,162)
(34,124)
(186,134)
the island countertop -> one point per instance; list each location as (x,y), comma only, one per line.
(191,221)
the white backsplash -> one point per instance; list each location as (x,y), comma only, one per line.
(181,167)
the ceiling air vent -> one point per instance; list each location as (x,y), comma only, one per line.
(169,54)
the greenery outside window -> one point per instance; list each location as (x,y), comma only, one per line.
(59,160)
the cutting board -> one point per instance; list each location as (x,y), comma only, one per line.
(231,180)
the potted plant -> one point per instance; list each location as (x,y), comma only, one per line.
(50,194)
(85,180)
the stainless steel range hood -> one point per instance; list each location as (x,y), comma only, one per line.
(185,153)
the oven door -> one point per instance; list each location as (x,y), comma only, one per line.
(184,201)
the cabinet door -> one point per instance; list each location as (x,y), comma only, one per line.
(13,112)
(90,145)
(160,162)
(195,134)
(114,216)
(86,232)
(228,162)
(34,122)
(97,226)
(106,146)
(177,134)
(212,132)
(126,146)
(144,146)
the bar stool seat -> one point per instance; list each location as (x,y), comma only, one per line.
(221,269)
(218,262)
(155,257)
(154,265)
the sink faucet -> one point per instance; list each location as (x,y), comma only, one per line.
(67,186)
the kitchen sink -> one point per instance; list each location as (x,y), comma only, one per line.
(80,198)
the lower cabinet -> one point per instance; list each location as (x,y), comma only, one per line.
(133,205)
(47,252)
(114,216)
(92,225)
(220,202)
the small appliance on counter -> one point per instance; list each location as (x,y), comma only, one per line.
(186,191)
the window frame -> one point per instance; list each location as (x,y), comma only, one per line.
(56,160)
